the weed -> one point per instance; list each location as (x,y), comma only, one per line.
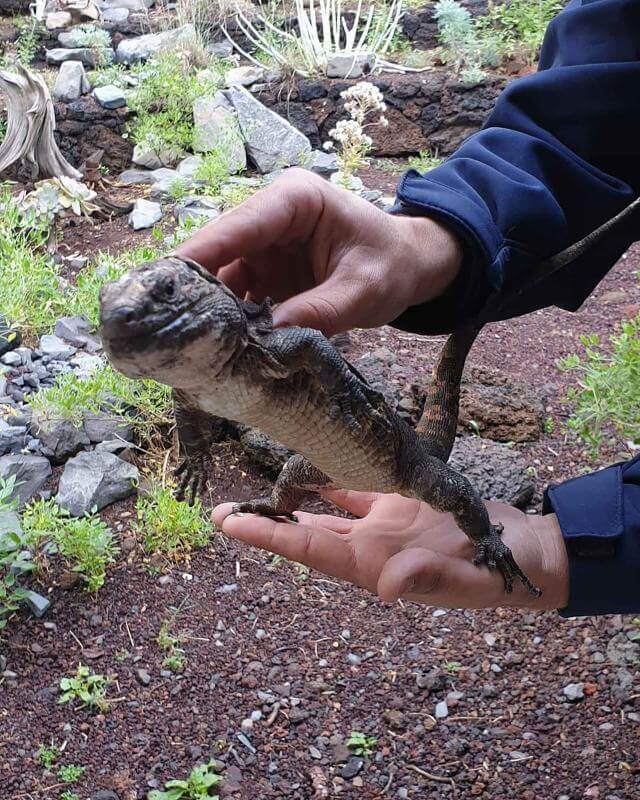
(96,39)
(425,161)
(47,756)
(170,644)
(14,558)
(636,636)
(549,425)
(110,75)
(215,168)
(68,795)
(168,525)
(29,35)
(70,773)
(87,688)
(360,744)
(234,194)
(122,655)
(179,189)
(519,25)
(608,397)
(452,667)
(200,785)
(85,543)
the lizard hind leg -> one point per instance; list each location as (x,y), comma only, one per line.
(296,480)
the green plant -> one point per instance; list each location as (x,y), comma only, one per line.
(636,636)
(519,25)
(47,756)
(549,425)
(170,644)
(85,543)
(459,39)
(360,744)
(69,795)
(179,189)
(451,667)
(14,558)
(168,525)
(608,393)
(110,75)
(87,688)
(96,39)
(199,785)
(29,35)
(163,102)
(70,773)
(425,161)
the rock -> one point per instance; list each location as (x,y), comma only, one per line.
(71,82)
(189,166)
(350,65)
(115,16)
(196,208)
(499,409)
(165,181)
(86,55)
(85,364)
(442,710)
(77,331)
(574,692)
(222,49)
(622,651)
(37,604)
(271,141)
(11,359)
(216,128)
(31,473)
(110,96)
(143,677)
(94,480)
(76,38)
(145,214)
(136,177)
(140,48)
(106,427)
(498,472)
(12,437)
(145,157)
(10,337)
(56,20)
(244,76)
(353,766)
(130,5)
(105,794)
(59,438)
(54,347)
(324,164)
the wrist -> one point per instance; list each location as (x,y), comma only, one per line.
(436,254)
(553,561)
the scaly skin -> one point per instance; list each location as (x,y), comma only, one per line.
(174,323)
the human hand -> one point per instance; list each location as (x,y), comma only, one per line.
(332,260)
(401,548)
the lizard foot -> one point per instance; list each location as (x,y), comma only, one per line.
(493,552)
(264,507)
(194,477)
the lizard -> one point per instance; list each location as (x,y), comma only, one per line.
(174,322)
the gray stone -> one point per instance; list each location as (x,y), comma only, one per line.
(143,677)
(216,128)
(11,359)
(31,474)
(144,156)
(115,16)
(77,331)
(622,651)
(442,710)
(145,214)
(75,38)
(136,177)
(59,438)
(350,65)
(353,766)
(188,167)
(323,163)
(104,427)
(142,47)
(71,82)
(196,208)
(271,141)
(94,480)
(12,437)
(57,19)
(110,96)
(85,364)
(37,604)
(54,347)
(574,692)
(86,55)
(222,49)
(130,5)
(165,181)
(497,471)
(244,76)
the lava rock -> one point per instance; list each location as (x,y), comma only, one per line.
(12,437)
(622,651)
(104,427)
(95,480)
(31,473)
(59,438)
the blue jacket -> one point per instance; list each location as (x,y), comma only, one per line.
(558,156)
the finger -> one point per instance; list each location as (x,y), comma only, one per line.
(339,525)
(235,276)
(357,503)
(440,580)
(316,547)
(285,212)
(332,307)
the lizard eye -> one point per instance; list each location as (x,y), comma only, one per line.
(166,289)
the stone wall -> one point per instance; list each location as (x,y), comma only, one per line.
(420,27)
(9,8)
(430,110)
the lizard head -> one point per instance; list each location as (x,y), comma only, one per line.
(170,320)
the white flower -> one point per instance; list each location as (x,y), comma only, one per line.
(327,146)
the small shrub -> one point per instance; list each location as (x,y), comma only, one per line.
(360,744)
(96,39)
(110,75)
(168,525)
(200,785)
(29,35)
(85,543)
(459,39)
(519,25)
(179,189)
(14,558)
(425,161)
(70,773)
(87,688)
(608,393)
(47,756)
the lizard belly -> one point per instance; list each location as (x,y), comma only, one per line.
(298,417)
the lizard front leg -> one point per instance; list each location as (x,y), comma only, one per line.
(296,480)
(448,491)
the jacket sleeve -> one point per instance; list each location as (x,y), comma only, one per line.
(557,157)
(599,515)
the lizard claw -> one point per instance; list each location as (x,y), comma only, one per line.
(194,478)
(495,554)
(264,507)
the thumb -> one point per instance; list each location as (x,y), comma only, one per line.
(333,307)
(435,579)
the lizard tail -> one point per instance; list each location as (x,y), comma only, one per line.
(439,421)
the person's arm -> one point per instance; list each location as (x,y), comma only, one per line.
(558,156)
(599,517)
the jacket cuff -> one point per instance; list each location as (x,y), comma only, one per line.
(484,252)
(603,562)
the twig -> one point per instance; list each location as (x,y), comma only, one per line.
(126,625)
(431,777)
